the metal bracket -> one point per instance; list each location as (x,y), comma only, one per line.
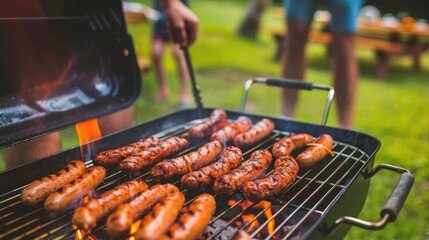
(390,210)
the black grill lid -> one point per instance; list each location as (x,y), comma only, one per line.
(62,62)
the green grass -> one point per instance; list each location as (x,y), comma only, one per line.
(394,109)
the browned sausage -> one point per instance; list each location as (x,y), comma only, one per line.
(112,157)
(259,131)
(207,175)
(38,190)
(285,171)
(86,217)
(205,129)
(179,166)
(231,182)
(286,145)
(161,217)
(74,191)
(314,154)
(229,132)
(193,222)
(153,155)
(120,221)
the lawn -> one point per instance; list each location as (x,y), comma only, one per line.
(393,109)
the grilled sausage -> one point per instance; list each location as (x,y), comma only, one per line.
(205,129)
(314,154)
(75,190)
(229,132)
(112,157)
(193,222)
(120,221)
(151,156)
(231,182)
(38,190)
(207,175)
(181,165)
(286,145)
(259,131)
(86,217)
(285,171)
(161,217)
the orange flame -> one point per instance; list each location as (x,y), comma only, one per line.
(246,218)
(85,200)
(134,229)
(86,132)
(268,214)
(79,234)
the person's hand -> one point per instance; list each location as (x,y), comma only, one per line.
(182,23)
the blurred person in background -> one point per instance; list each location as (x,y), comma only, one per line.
(344,67)
(183,26)
(161,37)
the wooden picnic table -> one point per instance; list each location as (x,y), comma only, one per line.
(387,40)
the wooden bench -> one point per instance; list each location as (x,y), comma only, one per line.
(384,49)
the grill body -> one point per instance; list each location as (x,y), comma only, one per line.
(63,62)
(331,189)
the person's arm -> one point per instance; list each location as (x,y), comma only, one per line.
(181,21)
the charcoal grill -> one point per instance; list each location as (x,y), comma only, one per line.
(322,203)
(311,208)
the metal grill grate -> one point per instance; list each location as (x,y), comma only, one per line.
(291,214)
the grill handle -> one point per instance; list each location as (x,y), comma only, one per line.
(290,83)
(391,209)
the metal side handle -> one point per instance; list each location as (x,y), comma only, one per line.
(391,209)
(290,83)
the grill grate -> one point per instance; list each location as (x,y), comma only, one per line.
(291,214)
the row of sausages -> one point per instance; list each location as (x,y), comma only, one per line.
(240,132)
(204,168)
(160,205)
(227,175)
(286,167)
(158,208)
(209,165)
(67,187)
(150,151)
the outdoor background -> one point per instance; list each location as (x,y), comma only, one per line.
(393,109)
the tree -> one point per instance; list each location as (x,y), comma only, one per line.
(250,24)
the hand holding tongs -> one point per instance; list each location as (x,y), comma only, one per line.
(183,28)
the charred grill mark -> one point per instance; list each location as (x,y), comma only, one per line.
(205,129)
(152,155)
(113,157)
(233,181)
(230,159)
(259,131)
(286,169)
(189,162)
(181,225)
(287,145)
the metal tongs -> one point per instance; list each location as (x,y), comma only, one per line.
(195,88)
